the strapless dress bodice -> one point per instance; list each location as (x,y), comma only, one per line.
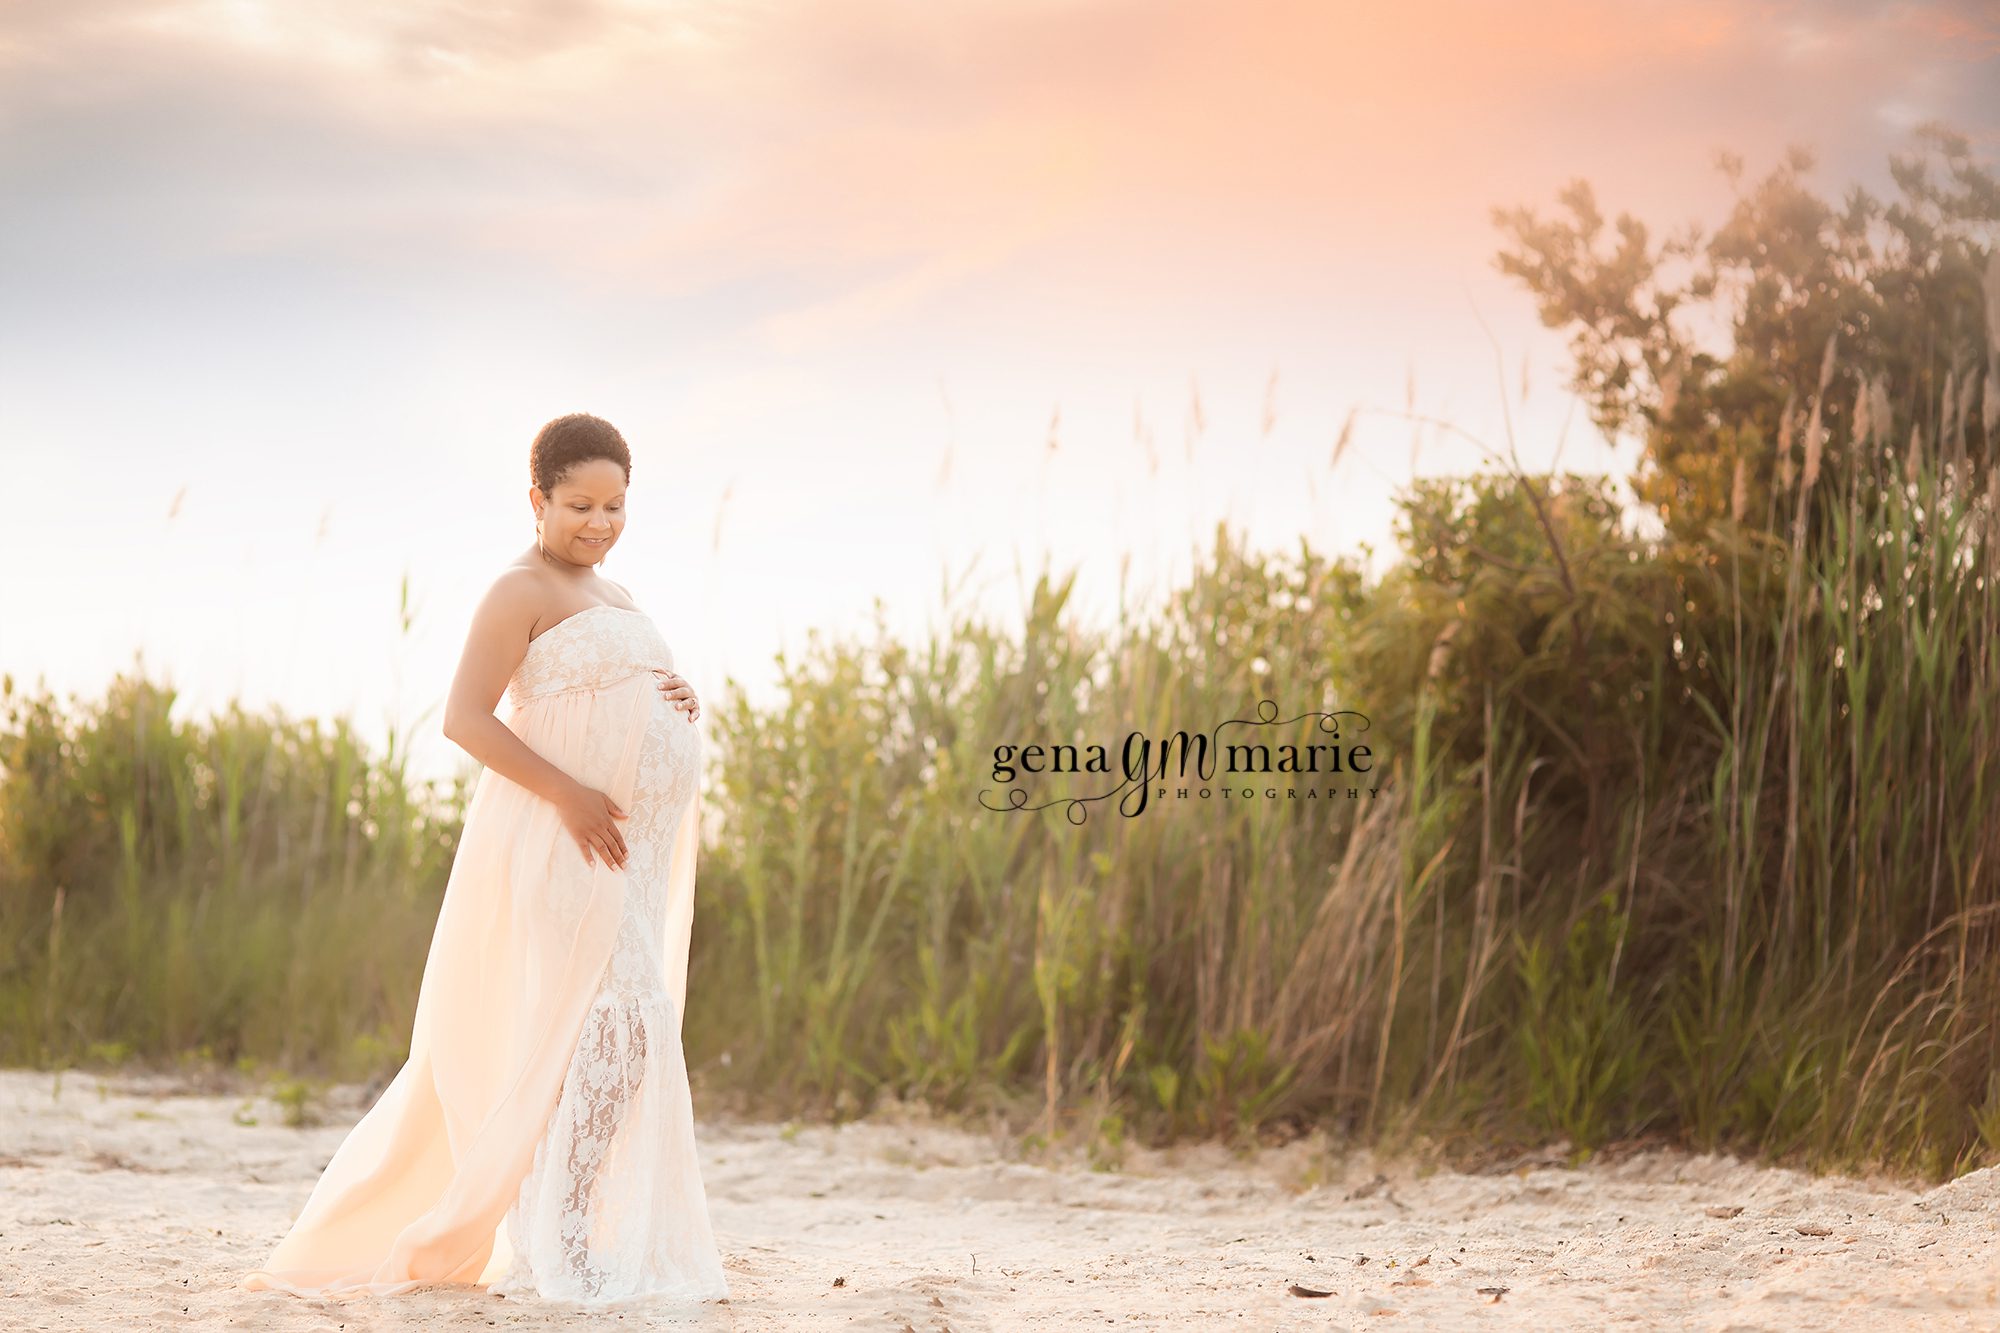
(593,648)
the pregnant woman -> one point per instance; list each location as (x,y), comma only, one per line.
(540,1136)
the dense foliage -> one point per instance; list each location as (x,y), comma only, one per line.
(1691,835)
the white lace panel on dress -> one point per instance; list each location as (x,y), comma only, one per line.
(613,1208)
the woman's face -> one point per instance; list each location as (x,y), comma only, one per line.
(581,520)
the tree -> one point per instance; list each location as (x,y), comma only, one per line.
(1874,312)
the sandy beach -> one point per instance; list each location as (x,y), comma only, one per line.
(131,1203)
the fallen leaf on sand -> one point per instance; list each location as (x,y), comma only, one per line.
(1296,1290)
(1365,1191)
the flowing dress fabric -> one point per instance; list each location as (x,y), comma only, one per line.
(540,1135)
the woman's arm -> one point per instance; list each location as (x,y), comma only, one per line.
(494,647)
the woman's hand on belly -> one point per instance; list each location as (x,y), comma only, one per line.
(674,687)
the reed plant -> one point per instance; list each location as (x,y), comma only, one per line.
(243,890)
(1621,869)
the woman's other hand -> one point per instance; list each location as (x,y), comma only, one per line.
(592,819)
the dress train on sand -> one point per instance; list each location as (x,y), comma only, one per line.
(540,1136)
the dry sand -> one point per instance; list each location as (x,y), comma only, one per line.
(133,1203)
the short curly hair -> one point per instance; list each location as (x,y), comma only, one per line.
(569,440)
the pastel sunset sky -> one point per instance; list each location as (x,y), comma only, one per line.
(879,293)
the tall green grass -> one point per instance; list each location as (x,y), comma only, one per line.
(241,889)
(1692,841)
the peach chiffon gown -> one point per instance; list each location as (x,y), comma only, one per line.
(539,1139)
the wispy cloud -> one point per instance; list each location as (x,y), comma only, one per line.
(845,164)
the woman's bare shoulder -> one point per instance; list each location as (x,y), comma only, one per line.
(518,595)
